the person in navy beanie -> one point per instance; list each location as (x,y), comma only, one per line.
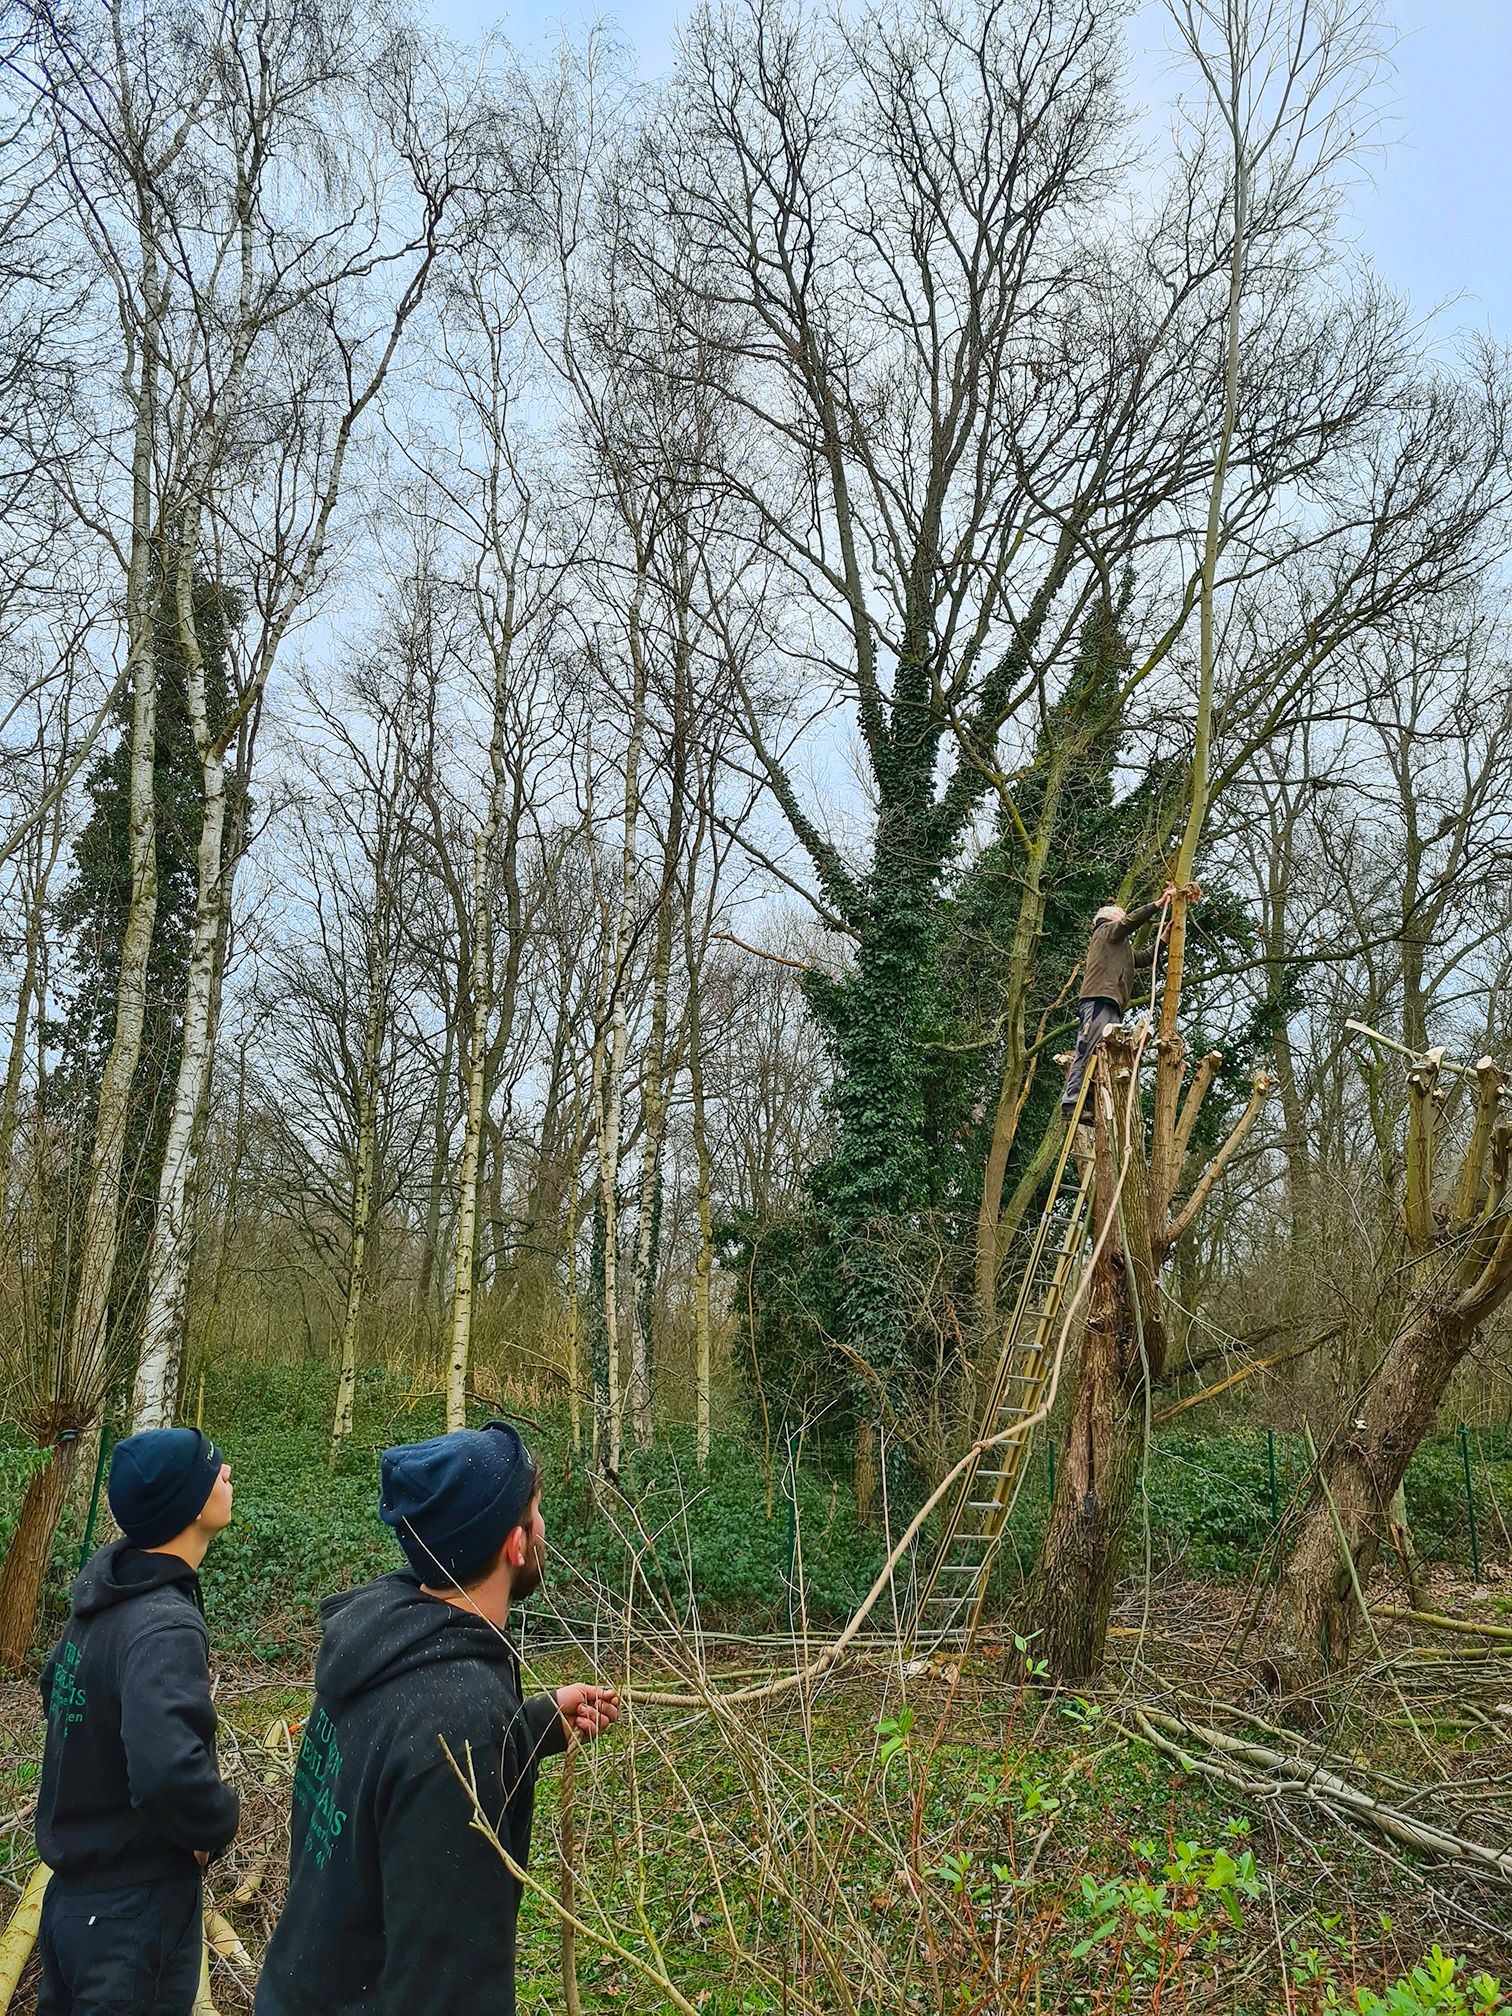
(395,1902)
(131,1805)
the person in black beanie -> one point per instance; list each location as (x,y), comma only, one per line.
(396,1903)
(131,1805)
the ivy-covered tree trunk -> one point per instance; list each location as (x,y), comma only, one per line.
(870,1192)
(161,1347)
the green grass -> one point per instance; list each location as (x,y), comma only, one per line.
(885,1834)
(928,1844)
(302,1530)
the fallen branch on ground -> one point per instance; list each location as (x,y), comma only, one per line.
(223,1939)
(1437,1623)
(20,1935)
(1272,1772)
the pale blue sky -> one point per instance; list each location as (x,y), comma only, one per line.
(1438,220)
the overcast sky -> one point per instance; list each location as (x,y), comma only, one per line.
(1438,220)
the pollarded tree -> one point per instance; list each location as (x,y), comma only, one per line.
(1457,1222)
(1136,1223)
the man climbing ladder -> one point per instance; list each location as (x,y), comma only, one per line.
(1108,972)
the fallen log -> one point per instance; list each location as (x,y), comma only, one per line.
(221,1934)
(204,2002)
(20,1935)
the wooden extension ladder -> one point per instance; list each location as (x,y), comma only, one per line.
(953,1591)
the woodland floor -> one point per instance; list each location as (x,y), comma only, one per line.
(959,1837)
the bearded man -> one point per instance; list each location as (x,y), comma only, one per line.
(396,1902)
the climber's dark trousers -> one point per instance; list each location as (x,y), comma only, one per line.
(1094,1019)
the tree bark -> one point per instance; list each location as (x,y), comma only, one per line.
(573,1339)
(28,988)
(88,1337)
(653,1123)
(430,1244)
(1082,1554)
(1316,1610)
(362,1203)
(26,1557)
(155,1393)
(472,1145)
(864,1475)
(703,1327)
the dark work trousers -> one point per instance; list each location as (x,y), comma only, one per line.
(1093,1021)
(131,1950)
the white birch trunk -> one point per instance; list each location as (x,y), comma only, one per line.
(612,1102)
(161,1351)
(158,1364)
(460,1351)
(654,1121)
(88,1340)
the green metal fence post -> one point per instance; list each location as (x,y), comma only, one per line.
(792,1498)
(1464,1442)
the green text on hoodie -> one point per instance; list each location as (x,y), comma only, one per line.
(396,1904)
(130,1787)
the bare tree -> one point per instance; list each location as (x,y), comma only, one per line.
(178,145)
(967,414)
(282,549)
(358,841)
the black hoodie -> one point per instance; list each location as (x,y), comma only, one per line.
(395,1903)
(130,1786)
